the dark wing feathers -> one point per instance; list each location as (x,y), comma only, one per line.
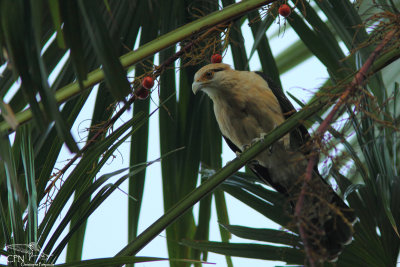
(231,145)
(263,174)
(300,135)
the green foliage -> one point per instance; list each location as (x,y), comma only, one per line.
(95,38)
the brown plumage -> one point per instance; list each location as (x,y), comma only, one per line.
(247,105)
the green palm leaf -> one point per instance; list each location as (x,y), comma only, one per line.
(56,54)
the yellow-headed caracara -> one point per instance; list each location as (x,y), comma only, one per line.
(248,105)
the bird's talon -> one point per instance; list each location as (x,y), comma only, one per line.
(245,147)
(263,135)
(255,140)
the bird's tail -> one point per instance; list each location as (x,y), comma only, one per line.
(327,221)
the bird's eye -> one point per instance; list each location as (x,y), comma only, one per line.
(209,74)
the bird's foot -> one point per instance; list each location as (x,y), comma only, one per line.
(262,136)
(244,147)
(255,140)
(284,142)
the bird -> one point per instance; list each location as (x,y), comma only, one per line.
(247,105)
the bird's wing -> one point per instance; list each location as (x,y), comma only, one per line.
(300,135)
(231,145)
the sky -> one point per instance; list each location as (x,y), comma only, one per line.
(106,232)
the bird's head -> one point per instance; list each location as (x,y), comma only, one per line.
(210,78)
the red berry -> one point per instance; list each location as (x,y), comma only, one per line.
(143,93)
(216,58)
(148,82)
(284,10)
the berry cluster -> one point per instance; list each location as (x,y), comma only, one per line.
(147,84)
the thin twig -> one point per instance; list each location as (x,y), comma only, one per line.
(357,81)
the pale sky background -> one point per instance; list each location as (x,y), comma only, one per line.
(106,232)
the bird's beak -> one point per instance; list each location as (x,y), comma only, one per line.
(196,86)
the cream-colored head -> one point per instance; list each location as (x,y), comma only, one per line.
(210,78)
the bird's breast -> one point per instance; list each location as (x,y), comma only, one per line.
(237,123)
